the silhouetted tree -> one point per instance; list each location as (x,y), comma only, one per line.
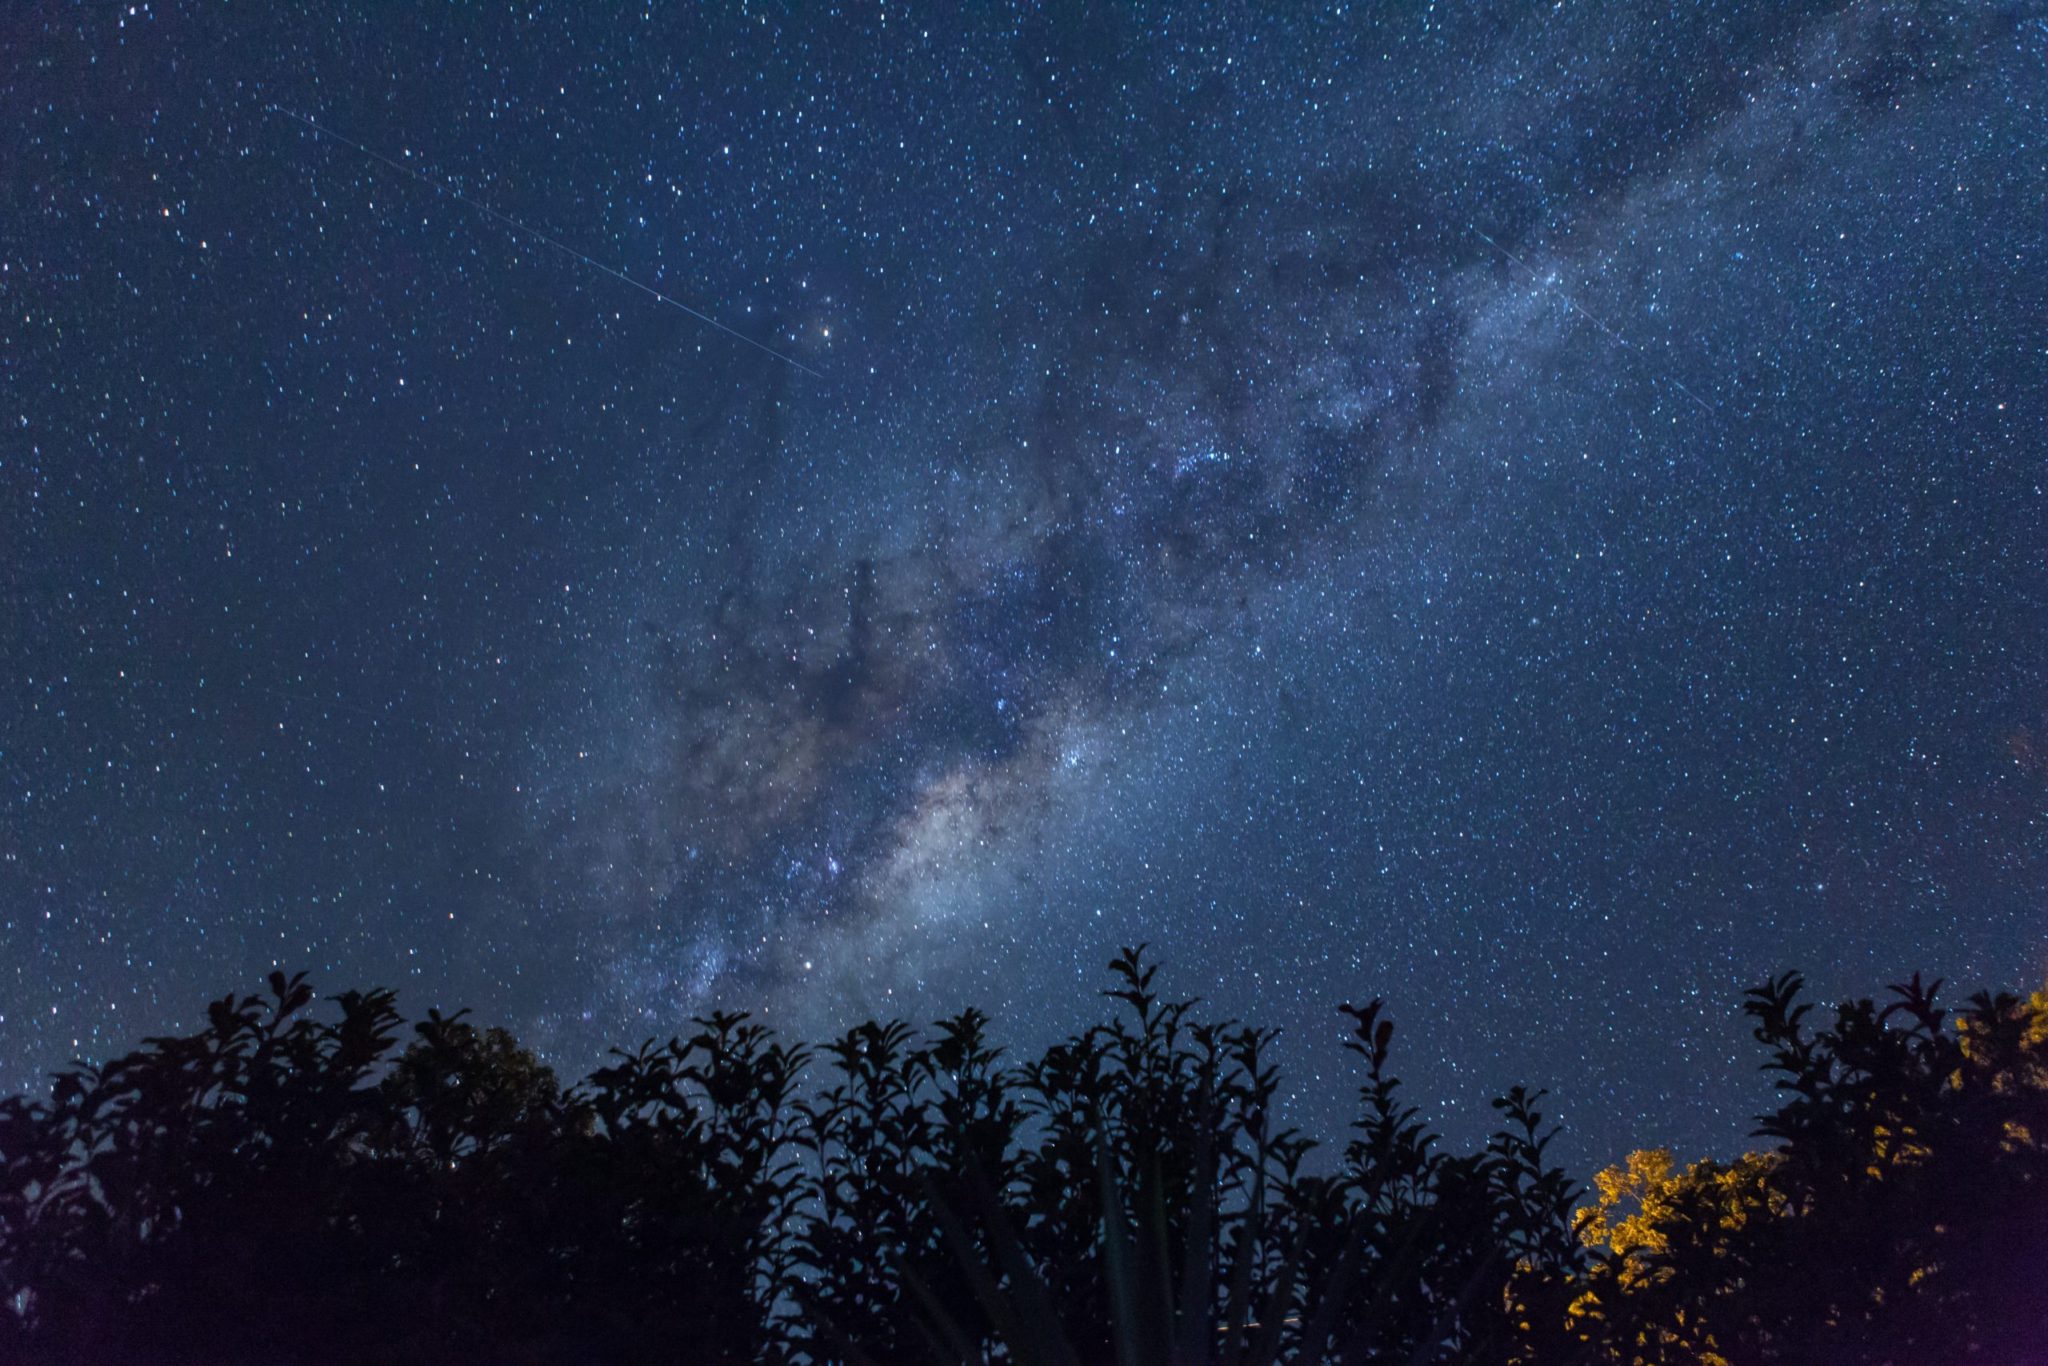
(1902,1216)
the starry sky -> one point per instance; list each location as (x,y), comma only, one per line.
(1532,511)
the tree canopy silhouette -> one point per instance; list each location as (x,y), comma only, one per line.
(291,1185)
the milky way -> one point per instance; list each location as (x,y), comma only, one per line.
(1533,513)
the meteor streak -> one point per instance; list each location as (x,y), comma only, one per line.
(542,237)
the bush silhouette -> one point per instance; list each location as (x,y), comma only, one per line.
(292,1185)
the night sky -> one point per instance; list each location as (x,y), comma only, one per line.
(1535,512)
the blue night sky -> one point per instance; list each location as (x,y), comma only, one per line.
(1535,512)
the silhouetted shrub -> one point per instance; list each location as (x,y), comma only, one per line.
(284,1188)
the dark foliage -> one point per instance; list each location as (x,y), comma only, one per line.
(1902,1216)
(285,1188)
